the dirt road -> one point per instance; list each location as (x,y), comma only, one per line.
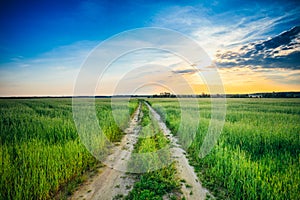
(109,182)
(192,188)
(113,180)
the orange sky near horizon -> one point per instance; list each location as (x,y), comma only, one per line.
(244,81)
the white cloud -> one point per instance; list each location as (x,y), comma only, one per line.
(224,30)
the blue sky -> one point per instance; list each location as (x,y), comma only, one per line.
(44,43)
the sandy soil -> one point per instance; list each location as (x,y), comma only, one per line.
(112,179)
(192,188)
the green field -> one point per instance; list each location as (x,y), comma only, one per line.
(40,148)
(257,155)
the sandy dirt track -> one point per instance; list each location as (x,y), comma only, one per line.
(192,189)
(109,182)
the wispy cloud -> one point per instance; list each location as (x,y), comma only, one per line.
(281,51)
(239,40)
(224,30)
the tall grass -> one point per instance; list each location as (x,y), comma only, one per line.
(40,149)
(163,181)
(258,152)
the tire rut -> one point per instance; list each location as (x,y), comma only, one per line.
(109,182)
(192,188)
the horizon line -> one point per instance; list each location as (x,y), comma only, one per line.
(141,95)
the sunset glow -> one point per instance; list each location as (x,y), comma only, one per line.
(43,45)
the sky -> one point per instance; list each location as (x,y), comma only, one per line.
(255,45)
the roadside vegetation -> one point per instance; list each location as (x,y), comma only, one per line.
(258,153)
(41,153)
(162,181)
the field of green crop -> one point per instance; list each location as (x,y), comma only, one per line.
(258,153)
(40,148)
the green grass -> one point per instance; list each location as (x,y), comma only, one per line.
(155,184)
(258,152)
(257,155)
(40,148)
